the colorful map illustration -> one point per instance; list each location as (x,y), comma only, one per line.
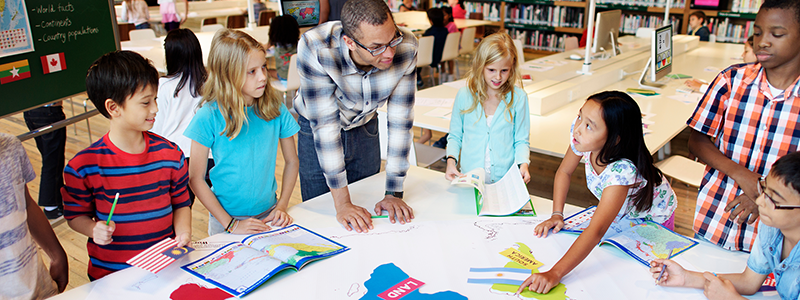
(306,12)
(386,276)
(557,293)
(15,30)
(650,241)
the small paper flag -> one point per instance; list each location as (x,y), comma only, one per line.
(154,260)
(53,63)
(14,71)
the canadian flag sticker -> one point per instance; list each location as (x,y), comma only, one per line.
(53,63)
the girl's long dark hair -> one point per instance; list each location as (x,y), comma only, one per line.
(185,58)
(626,140)
(284,31)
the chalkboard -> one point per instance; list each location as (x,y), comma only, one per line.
(82,30)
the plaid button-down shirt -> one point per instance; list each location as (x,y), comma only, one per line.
(336,95)
(753,128)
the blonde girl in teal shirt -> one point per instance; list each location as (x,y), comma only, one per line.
(490,123)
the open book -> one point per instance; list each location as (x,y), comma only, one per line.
(507,196)
(642,240)
(240,267)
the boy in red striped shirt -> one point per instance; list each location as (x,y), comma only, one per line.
(147,170)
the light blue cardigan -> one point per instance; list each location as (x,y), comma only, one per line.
(508,141)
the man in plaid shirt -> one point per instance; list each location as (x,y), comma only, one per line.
(347,70)
(753,112)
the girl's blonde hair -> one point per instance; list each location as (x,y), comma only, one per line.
(227,63)
(492,49)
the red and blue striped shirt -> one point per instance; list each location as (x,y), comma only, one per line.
(151,185)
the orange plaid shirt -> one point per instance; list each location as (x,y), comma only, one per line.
(753,128)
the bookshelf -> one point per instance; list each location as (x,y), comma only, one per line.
(546,23)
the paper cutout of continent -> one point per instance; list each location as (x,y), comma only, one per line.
(191,291)
(387,275)
(558,292)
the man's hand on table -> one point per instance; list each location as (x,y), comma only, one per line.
(397,209)
(352,217)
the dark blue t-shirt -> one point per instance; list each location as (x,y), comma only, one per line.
(439,37)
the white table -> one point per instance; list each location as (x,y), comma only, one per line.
(154,49)
(550,133)
(438,247)
(418,20)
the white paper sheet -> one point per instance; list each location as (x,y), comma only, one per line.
(440,113)
(434,102)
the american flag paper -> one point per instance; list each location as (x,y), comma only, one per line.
(159,256)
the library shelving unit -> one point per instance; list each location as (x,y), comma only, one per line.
(543,25)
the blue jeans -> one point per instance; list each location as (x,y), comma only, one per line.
(51,146)
(362,156)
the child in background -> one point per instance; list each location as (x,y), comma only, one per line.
(284,32)
(449,23)
(136,12)
(258,7)
(458,9)
(619,171)
(697,27)
(490,123)
(748,56)
(774,250)
(169,14)
(439,33)
(407,5)
(242,121)
(24,227)
(179,93)
(145,169)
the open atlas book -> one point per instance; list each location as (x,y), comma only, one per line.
(240,267)
(642,240)
(508,196)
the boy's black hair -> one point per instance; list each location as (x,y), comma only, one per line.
(786,168)
(436,16)
(118,75)
(783,4)
(185,58)
(355,12)
(625,139)
(700,15)
(284,31)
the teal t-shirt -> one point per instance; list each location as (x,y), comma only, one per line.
(243,178)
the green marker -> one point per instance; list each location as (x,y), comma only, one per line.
(380,217)
(113,206)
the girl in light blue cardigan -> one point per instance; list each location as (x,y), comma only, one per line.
(490,123)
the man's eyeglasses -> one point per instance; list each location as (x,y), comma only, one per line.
(762,188)
(398,38)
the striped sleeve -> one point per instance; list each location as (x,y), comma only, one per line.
(708,116)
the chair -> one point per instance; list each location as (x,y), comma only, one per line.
(450,51)
(520,52)
(209,21)
(683,169)
(427,155)
(237,21)
(383,135)
(425,54)
(292,82)
(571,43)
(142,34)
(467,41)
(265,17)
(211,28)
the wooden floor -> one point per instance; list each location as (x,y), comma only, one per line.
(542,170)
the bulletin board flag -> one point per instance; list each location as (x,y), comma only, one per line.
(14,71)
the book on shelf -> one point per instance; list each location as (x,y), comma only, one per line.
(539,40)
(506,197)
(728,32)
(642,240)
(490,11)
(650,3)
(240,267)
(629,23)
(545,15)
(746,6)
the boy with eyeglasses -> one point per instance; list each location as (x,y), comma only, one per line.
(348,69)
(773,251)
